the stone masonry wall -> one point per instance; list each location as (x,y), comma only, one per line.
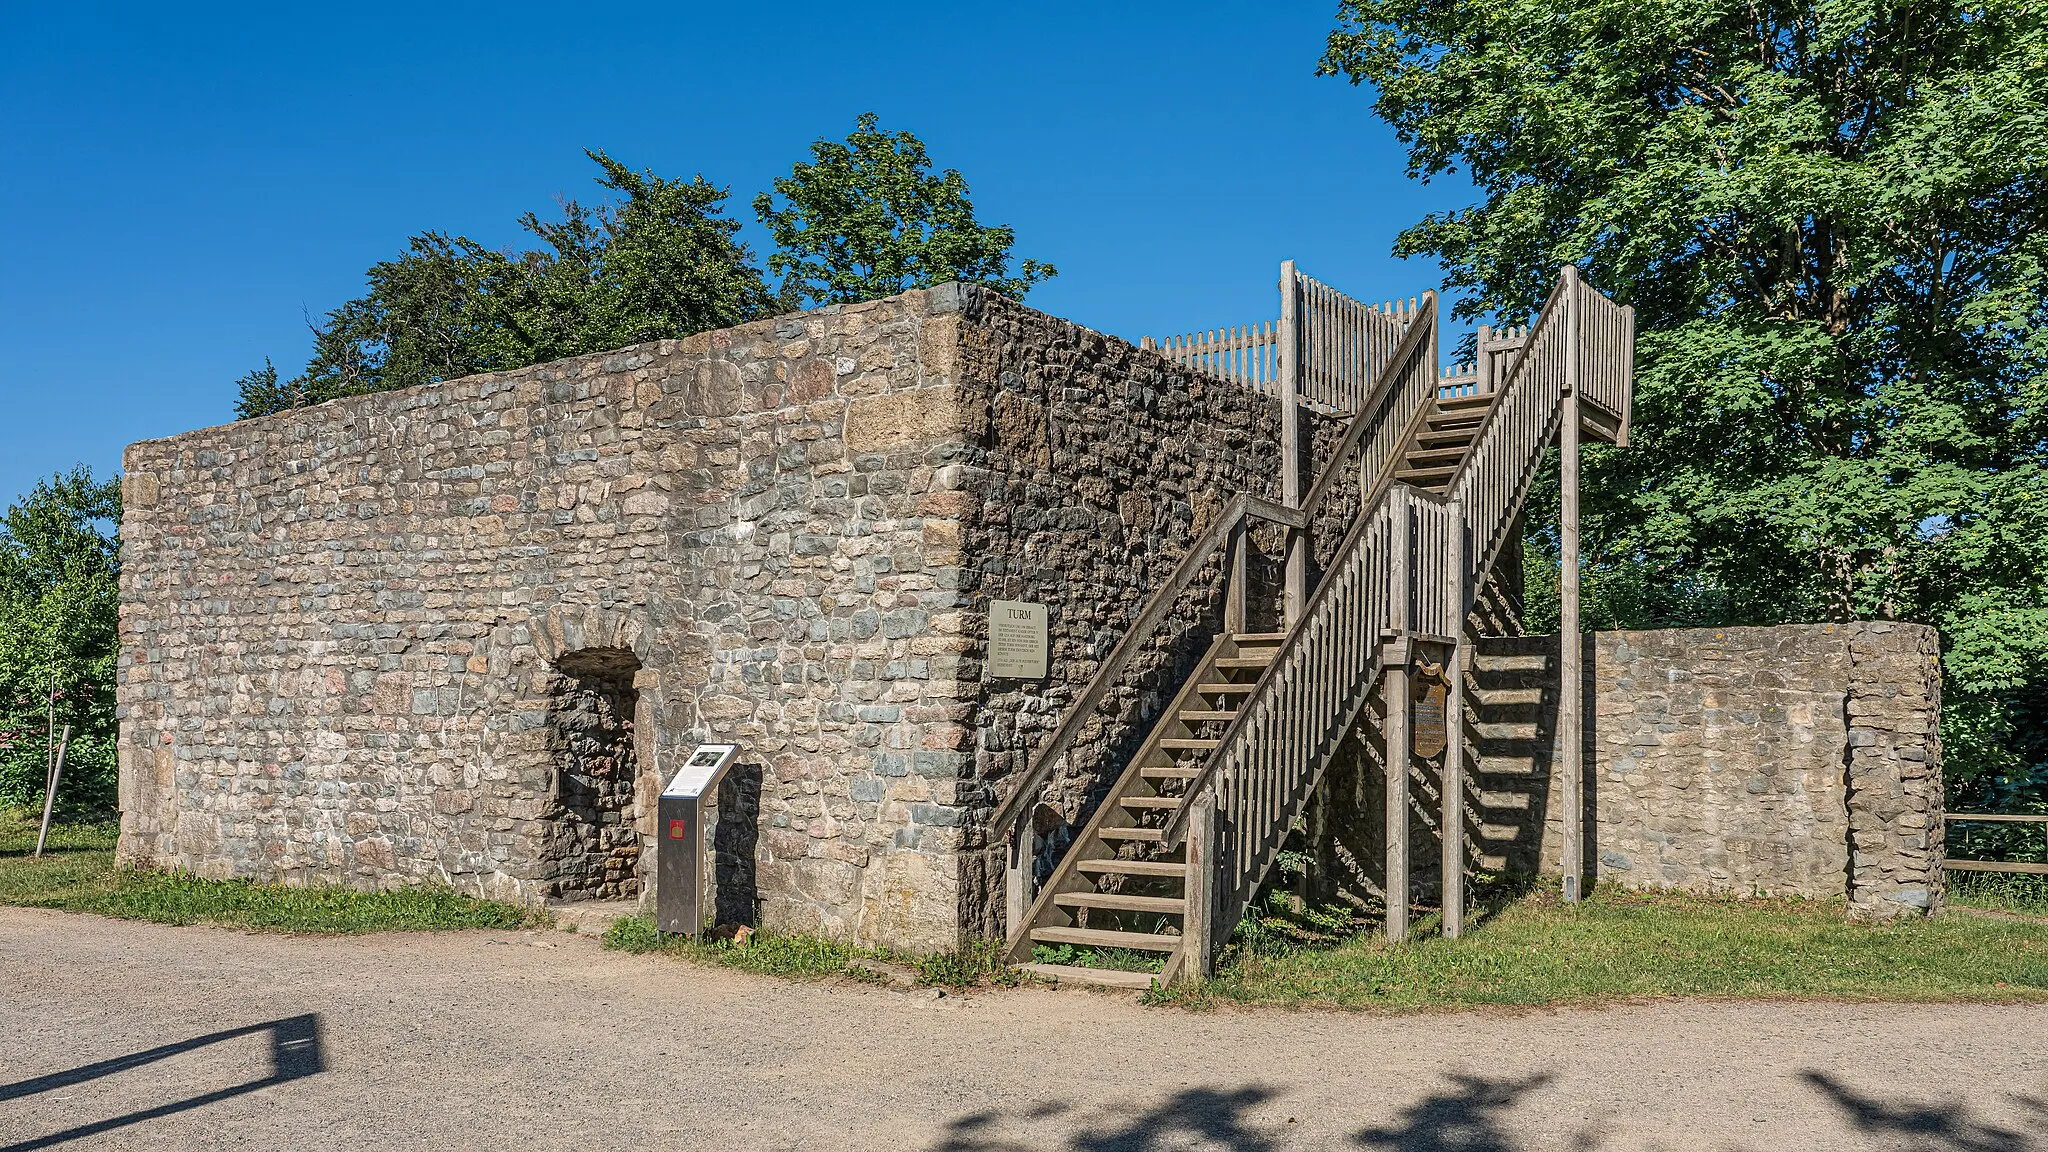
(1799,759)
(353,633)
(341,625)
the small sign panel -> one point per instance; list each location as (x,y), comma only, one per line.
(679,829)
(700,770)
(1017,645)
(1430,727)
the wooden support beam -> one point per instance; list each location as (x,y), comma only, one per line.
(1234,593)
(1570,705)
(1400,745)
(1452,824)
(1290,437)
(1400,702)
(1199,915)
(1020,891)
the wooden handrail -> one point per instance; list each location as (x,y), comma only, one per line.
(1154,613)
(1158,607)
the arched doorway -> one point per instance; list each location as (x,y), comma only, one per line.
(594,850)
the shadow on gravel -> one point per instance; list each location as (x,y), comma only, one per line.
(1944,1127)
(1200,1117)
(1465,1116)
(295,1053)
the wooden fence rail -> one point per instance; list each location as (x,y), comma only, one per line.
(2025,867)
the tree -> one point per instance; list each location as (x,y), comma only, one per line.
(59,642)
(1830,217)
(867,219)
(662,262)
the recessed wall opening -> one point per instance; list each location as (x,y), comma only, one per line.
(593,852)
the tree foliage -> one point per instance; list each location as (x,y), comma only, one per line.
(1829,217)
(867,218)
(661,262)
(59,643)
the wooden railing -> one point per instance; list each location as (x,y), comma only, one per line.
(1341,346)
(1248,354)
(1403,388)
(1345,343)
(1407,569)
(1496,352)
(1605,379)
(1492,481)
(2021,866)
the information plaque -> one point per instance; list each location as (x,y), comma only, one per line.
(681,838)
(1016,640)
(1430,734)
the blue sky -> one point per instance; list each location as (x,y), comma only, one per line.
(184,186)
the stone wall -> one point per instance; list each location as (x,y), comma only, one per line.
(1798,760)
(359,639)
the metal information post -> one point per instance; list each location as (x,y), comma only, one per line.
(680,838)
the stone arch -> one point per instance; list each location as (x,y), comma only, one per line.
(598,745)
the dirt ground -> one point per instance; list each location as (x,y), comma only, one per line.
(124,1035)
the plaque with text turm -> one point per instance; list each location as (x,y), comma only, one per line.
(1016,640)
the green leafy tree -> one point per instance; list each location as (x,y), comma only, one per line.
(59,643)
(660,262)
(1830,217)
(867,218)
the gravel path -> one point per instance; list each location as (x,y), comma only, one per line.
(122,1035)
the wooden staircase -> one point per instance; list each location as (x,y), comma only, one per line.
(1188,830)
(1117,888)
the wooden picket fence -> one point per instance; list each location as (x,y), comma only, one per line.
(2021,866)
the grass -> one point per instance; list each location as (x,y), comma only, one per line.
(813,958)
(77,874)
(2018,893)
(1533,949)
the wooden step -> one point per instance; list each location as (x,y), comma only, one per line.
(1105,938)
(1505,801)
(1467,422)
(1425,477)
(1521,730)
(1507,765)
(1118,902)
(1149,801)
(1490,863)
(1168,772)
(1507,697)
(1532,662)
(1460,437)
(1478,400)
(1133,867)
(1259,637)
(1205,716)
(1106,977)
(1259,662)
(1423,457)
(1187,744)
(1498,833)
(1141,835)
(1224,688)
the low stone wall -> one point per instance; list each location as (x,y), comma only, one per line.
(1798,760)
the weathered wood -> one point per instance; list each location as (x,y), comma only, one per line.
(1996,866)
(1198,918)
(1290,437)
(1996,818)
(1119,902)
(1570,726)
(1105,977)
(1399,732)
(1107,938)
(1452,821)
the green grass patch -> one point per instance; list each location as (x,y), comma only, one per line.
(1534,949)
(77,874)
(2020,893)
(811,957)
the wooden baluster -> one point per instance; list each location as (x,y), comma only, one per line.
(1569,726)
(1399,737)
(1290,439)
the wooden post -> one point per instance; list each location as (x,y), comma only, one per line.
(1570,706)
(1235,590)
(1400,734)
(1198,924)
(1453,822)
(50,789)
(1023,858)
(1290,437)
